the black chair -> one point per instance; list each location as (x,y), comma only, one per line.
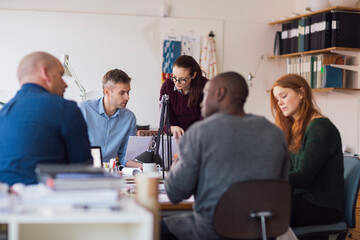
(352,180)
(254,210)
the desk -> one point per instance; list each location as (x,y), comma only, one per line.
(131,222)
(166,207)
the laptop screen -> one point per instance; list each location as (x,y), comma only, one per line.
(97,157)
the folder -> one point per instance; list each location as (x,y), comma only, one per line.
(277,44)
(313,71)
(345,31)
(294,35)
(307,34)
(325,30)
(333,77)
(285,38)
(301,39)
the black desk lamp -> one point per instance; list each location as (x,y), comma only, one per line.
(151,155)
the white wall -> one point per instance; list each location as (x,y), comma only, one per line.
(244,37)
(240,26)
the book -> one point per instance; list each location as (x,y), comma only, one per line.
(76,177)
(81,181)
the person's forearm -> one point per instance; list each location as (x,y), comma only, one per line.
(133,164)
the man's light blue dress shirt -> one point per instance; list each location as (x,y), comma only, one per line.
(110,133)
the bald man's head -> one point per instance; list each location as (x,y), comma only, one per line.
(226,92)
(42,69)
(31,63)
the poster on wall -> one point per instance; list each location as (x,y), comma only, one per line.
(190,45)
(171,51)
(174,46)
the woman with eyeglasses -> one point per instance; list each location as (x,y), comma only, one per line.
(185,90)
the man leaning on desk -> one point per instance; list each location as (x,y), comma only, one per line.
(109,122)
(38,125)
(228,146)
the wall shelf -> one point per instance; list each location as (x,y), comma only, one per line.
(327,90)
(339,8)
(334,89)
(319,51)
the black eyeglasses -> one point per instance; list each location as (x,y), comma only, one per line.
(180,80)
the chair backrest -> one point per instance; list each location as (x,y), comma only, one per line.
(146,132)
(352,180)
(232,213)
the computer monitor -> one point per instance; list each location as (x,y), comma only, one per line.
(97,157)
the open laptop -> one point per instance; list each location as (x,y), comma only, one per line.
(97,157)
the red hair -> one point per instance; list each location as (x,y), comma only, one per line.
(294,129)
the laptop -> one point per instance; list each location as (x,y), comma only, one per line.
(138,144)
(97,157)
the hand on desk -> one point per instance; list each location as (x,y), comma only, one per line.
(134,164)
(177,131)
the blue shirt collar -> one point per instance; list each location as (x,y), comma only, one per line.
(102,110)
(33,86)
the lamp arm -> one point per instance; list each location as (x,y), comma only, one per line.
(76,79)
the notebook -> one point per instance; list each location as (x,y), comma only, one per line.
(97,157)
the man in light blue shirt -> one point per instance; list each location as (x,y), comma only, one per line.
(109,122)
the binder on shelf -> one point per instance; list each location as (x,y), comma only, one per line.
(307,34)
(294,35)
(314,69)
(313,32)
(301,39)
(325,30)
(345,31)
(285,38)
(277,44)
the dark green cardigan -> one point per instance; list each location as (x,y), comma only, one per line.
(317,169)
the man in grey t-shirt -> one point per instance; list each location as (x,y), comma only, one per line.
(228,146)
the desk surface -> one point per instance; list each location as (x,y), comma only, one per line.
(165,204)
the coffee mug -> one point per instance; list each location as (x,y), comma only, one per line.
(150,167)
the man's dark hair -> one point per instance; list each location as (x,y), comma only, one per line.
(115,76)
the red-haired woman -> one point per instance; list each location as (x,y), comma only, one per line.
(316,167)
(185,90)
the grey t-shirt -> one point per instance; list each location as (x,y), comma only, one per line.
(216,153)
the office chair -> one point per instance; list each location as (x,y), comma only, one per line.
(253,210)
(146,132)
(352,180)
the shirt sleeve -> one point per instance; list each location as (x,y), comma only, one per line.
(314,153)
(182,180)
(74,132)
(131,132)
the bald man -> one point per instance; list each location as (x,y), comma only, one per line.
(38,125)
(227,147)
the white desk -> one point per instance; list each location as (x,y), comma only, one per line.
(130,223)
